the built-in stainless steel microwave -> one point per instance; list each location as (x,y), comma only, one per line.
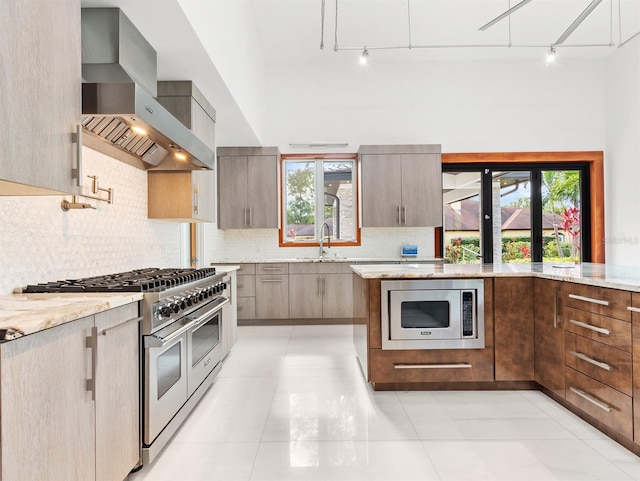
(433,314)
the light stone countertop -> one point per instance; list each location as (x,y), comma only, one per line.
(603,275)
(30,313)
(330,258)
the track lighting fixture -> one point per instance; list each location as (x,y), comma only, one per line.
(364,57)
(551,55)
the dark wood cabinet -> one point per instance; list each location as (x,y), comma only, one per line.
(635,316)
(548,336)
(514,328)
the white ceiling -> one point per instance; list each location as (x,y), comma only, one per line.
(289,31)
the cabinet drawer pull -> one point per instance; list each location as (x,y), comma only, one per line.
(462,365)
(601,330)
(584,357)
(133,319)
(592,400)
(271,269)
(633,309)
(589,299)
(271,280)
(92,343)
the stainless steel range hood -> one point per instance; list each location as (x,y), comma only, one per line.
(119,71)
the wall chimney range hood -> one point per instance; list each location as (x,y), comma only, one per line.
(119,71)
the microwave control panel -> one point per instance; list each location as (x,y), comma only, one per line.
(467,313)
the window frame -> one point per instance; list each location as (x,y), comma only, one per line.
(595,165)
(356,195)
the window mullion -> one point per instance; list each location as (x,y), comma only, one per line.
(319,187)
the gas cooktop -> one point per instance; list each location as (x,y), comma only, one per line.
(141,280)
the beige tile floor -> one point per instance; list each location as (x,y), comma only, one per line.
(291,404)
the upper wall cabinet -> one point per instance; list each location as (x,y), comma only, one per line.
(248,187)
(184,100)
(40,103)
(189,195)
(401,185)
(182,196)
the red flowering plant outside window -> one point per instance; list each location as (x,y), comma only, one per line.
(571,226)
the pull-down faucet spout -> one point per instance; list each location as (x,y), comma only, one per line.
(322,252)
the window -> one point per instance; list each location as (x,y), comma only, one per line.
(318,190)
(515,213)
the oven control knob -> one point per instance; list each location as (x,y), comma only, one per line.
(188,300)
(165,311)
(174,307)
(224,286)
(201,295)
(183,304)
(218,288)
(212,291)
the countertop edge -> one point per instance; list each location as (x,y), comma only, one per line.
(32,313)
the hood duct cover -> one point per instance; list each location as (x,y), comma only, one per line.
(119,72)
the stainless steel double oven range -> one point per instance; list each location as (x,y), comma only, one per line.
(180,340)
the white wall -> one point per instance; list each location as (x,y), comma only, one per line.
(467,106)
(622,155)
(40,243)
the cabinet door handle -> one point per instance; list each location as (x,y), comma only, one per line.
(601,330)
(271,280)
(399,217)
(77,172)
(555,306)
(250,217)
(133,319)
(462,365)
(592,400)
(584,357)
(404,214)
(195,199)
(589,299)
(92,343)
(245,217)
(633,309)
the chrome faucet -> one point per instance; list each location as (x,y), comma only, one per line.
(324,224)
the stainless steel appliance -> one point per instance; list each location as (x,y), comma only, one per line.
(432,314)
(182,312)
(119,73)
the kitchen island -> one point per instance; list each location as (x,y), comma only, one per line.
(571,331)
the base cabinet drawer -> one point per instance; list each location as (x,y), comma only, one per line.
(607,364)
(600,300)
(601,402)
(459,365)
(607,330)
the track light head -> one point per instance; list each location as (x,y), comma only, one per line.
(364,56)
(551,55)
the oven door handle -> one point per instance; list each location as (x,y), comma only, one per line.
(155,341)
(218,303)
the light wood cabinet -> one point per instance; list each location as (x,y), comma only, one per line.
(117,393)
(514,327)
(247,188)
(182,196)
(549,336)
(187,103)
(48,416)
(272,291)
(71,393)
(40,81)
(401,186)
(320,291)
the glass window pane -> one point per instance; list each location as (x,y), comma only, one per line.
(339,205)
(204,338)
(512,224)
(561,215)
(300,203)
(461,199)
(168,367)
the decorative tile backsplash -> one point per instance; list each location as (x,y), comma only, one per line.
(39,242)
